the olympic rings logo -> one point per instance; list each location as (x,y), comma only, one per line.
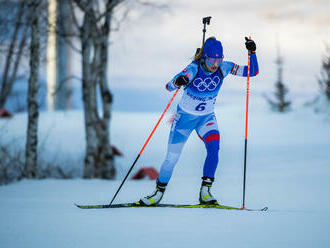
(208,83)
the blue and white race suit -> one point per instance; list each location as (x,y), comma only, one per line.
(195,111)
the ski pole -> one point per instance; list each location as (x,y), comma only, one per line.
(144,146)
(246,125)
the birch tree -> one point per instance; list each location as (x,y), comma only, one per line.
(14,53)
(31,153)
(94,20)
(94,37)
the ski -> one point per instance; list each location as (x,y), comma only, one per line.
(139,205)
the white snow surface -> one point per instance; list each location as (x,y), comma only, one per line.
(288,170)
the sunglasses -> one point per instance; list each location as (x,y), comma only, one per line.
(211,61)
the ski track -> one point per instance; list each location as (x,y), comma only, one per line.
(288,170)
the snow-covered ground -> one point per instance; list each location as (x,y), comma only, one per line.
(288,171)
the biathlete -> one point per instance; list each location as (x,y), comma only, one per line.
(202,80)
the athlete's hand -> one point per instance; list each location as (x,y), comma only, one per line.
(250,45)
(181,80)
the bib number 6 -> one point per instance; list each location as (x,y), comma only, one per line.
(200,107)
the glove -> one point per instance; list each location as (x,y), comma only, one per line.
(250,45)
(181,80)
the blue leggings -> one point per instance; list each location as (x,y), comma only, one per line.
(207,129)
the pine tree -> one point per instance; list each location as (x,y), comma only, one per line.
(324,80)
(279,102)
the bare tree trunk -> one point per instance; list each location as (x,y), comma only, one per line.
(107,155)
(89,97)
(33,112)
(9,75)
(94,35)
(104,166)
(99,161)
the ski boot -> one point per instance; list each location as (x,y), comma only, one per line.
(155,197)
(205,196)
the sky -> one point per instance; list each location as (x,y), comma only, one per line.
(152,45)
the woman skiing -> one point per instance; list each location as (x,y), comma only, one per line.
(201,80)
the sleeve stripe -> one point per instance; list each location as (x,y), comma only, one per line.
(231,71)
(237,66)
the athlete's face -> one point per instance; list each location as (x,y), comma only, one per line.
(212,64)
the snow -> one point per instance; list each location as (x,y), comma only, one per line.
(288,170)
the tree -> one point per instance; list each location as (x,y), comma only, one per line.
(31,152)
(94,37)
(279,102)
(93,23)
(14,51)
(324,79)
